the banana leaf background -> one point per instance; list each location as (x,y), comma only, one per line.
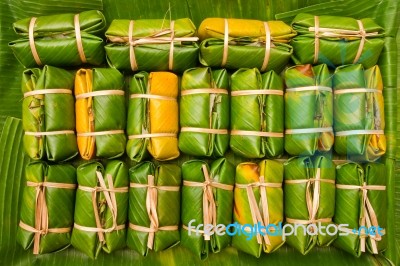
(12,159)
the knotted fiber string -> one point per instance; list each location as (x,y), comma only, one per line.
(79,39)
(267,47)
(132,56)
(32,41)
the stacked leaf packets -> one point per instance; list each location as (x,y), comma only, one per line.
(60,40)
(154,207)
(336,40)
(204,112)
(152,45)
(153,116)
(244,43)
(48,114)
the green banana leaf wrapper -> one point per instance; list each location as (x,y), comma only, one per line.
(193,194)
(339,41)
(257,114)
(150,46)
(104,115)
(49,113)
(56,42)
(358,114)
(308,110)
(167,181)
(300,175)
(204,110)
(52,186)
(103,187)
(251,174)
(350,208)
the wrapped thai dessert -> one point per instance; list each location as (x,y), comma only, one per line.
(152,44)
(359,117)
(256,114)
(361,203)
(60,40)
(308,110)
(310,202)
(47,209)
(101,208)
(204,112)
(152,126)
(258,202)
(207,200)
(48,114)
(336,41)
(154,207)
(244,43)
(100,113)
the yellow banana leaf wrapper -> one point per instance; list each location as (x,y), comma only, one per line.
(256,114)
(100,113)
(101,208)
(60,40)
(309,202)
(153,116)
(361,208)
(258,207)
(152,44)
(48,114)
(204,112)
(154,207)
(245,43)
(336,40)
(207,200)
(47,210)
(308,110)
(359,118)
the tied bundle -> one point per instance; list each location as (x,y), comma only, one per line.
(310,201)
(259,202)
(153,116)
(336,40)
(49,189)
(204,112)
(244,43)
(154,207)
(256,114)
(48,115)
(207,199)
(100,113)
(308,110)
(101,208)
(60,40)
(361,204)
(152,45)
(359,118)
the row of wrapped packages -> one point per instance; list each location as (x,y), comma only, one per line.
(205,206)
(162,44)
(309,110)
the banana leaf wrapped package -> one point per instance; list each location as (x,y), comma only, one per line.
(154,207)
(153,116)
(100,113)
(336,40)
(204,112)
(308,110)
(359,117)
(256,114)
(48,114)
(101,208)
(259,203)
(310,202)
(244,43)
(152,45)
(47,211)
(207,200)
(361,204)
(60,40)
